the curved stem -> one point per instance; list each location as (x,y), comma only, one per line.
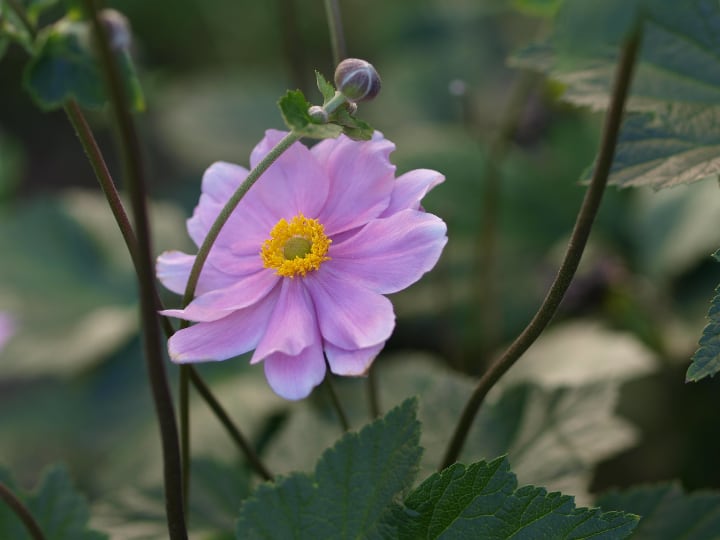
(21,511)
(569,265)
(373,397)
(130,149)
(235,433)
(184,407)
(342,417)
(337,36)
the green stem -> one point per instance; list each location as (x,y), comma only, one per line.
(342,417)
(337,36)
(569,265)
(373,397)
(235,433)
(184,407)
(130,149)
(22,512)
(20,12)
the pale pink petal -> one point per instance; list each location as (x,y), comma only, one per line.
(218,303)
(361,180)
(350,316)
(173,269)
(410,188)
(351,363)
(293,184)
(388,255)
(236,334)
(292,326)
(294,377)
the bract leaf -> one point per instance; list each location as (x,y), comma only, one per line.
(326,88)
(706,360)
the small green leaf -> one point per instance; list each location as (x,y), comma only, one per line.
(65,67)
(706,360)
(326,88)
(294,108)
(482,501)
(351,487)
(60,511)
(664,150)
(353,127)
(667,513)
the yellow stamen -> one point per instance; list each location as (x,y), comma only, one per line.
(297,247)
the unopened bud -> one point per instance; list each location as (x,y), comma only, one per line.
(117,28)
(357,80)
(318,114)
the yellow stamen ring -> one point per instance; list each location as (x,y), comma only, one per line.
(297,247)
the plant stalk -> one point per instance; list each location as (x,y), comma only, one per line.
(22,512)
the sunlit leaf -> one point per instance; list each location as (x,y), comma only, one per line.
(60,511)
(294,108)
(353,483)
(326,88)
(706,360)
(482,500)
(667,513)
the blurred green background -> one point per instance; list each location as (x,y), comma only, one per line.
(72,381)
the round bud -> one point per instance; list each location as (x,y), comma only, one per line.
(318,114)
(357,79)
(117,28)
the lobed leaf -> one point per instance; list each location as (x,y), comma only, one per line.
(60,511)
(294,109)
(706,360)
(482,501)
(668,513)
(326,88)
(351,487)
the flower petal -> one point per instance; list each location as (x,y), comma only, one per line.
(292,327)
(294,377)
(361,180)
(218,303)
(388,255)
(294,183)
(236,334)
(173,270)
(352,363)
(410,188)
(350,316)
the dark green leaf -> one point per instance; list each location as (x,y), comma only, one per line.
(667,513)
(65,67)
(706,360)
(352,485)
(353,127)
(294,108)
(482,501)
(326,88)
(60,511)
(663,150)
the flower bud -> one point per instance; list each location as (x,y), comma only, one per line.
(318,114)
(117,28)
(357,80)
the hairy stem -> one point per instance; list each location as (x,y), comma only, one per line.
(337,36)
(22,512)
(135,179)
(575,248)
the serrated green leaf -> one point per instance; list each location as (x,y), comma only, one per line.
(679,146)
(60,511)
(679,59)
(65,67)
(353,127)
(667,513)
(482,501)
(326,88)
(706,360)
(353,483)
(294,108)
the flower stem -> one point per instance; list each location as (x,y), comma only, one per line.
(337,36)
(130,149)
(373,397)
(575,248)
(21,511)
(342,417)
(234,432)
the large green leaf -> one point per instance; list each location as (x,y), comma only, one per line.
(66,67)
(483,501)
(352,484)
(679,60)
(677,146)
(60,511)
(706,360)
(667,513)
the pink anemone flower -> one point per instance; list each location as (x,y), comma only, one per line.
(299,271)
